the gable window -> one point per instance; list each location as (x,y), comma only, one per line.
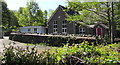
(29,29)
(58,16)
(55,27)
(64,26)
(35,30)
(82,30)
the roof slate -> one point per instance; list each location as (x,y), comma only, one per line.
(70,11)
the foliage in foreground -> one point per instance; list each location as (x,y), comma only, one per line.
(68,55)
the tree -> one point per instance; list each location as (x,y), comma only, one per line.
(91,12)
(45,15)
(9,20)
(30,15)
(117,13)
(13,20)
(50,13)
(5,15)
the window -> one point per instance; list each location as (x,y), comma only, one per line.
(58,16)
(64,30)
(64,27)
(55,22)
(35,30)
(55,27)
(64,22)
(82,30)
(29,29)
(55,30)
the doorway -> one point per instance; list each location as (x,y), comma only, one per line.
(98,31)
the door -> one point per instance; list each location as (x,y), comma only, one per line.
(99,31)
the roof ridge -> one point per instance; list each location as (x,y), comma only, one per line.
(70,11)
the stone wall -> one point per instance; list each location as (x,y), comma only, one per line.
(53,40)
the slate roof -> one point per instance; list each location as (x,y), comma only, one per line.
(70,11)
(92,26)
(104,26)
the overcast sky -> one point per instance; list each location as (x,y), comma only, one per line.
(43,4)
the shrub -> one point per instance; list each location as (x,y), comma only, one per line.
(25,56)
(68,55)
(86,54)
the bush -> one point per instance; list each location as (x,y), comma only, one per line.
(86,54)
(68,55)
(25,56)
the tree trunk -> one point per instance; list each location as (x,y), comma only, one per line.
(112,25)
(109,20)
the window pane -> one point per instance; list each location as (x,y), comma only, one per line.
(64,22)
(64,26)
(62,30)
(65,30)
(55,30)
(29,30)
(82,30)
(35,29)
(55,22)
(55,26)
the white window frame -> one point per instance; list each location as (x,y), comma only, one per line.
(36,30)
(64,29)
(82,30)
(55,29)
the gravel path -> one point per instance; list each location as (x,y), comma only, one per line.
(6,41)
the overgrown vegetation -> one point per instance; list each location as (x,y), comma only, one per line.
(68,55)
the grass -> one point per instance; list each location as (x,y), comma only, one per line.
(40,44)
